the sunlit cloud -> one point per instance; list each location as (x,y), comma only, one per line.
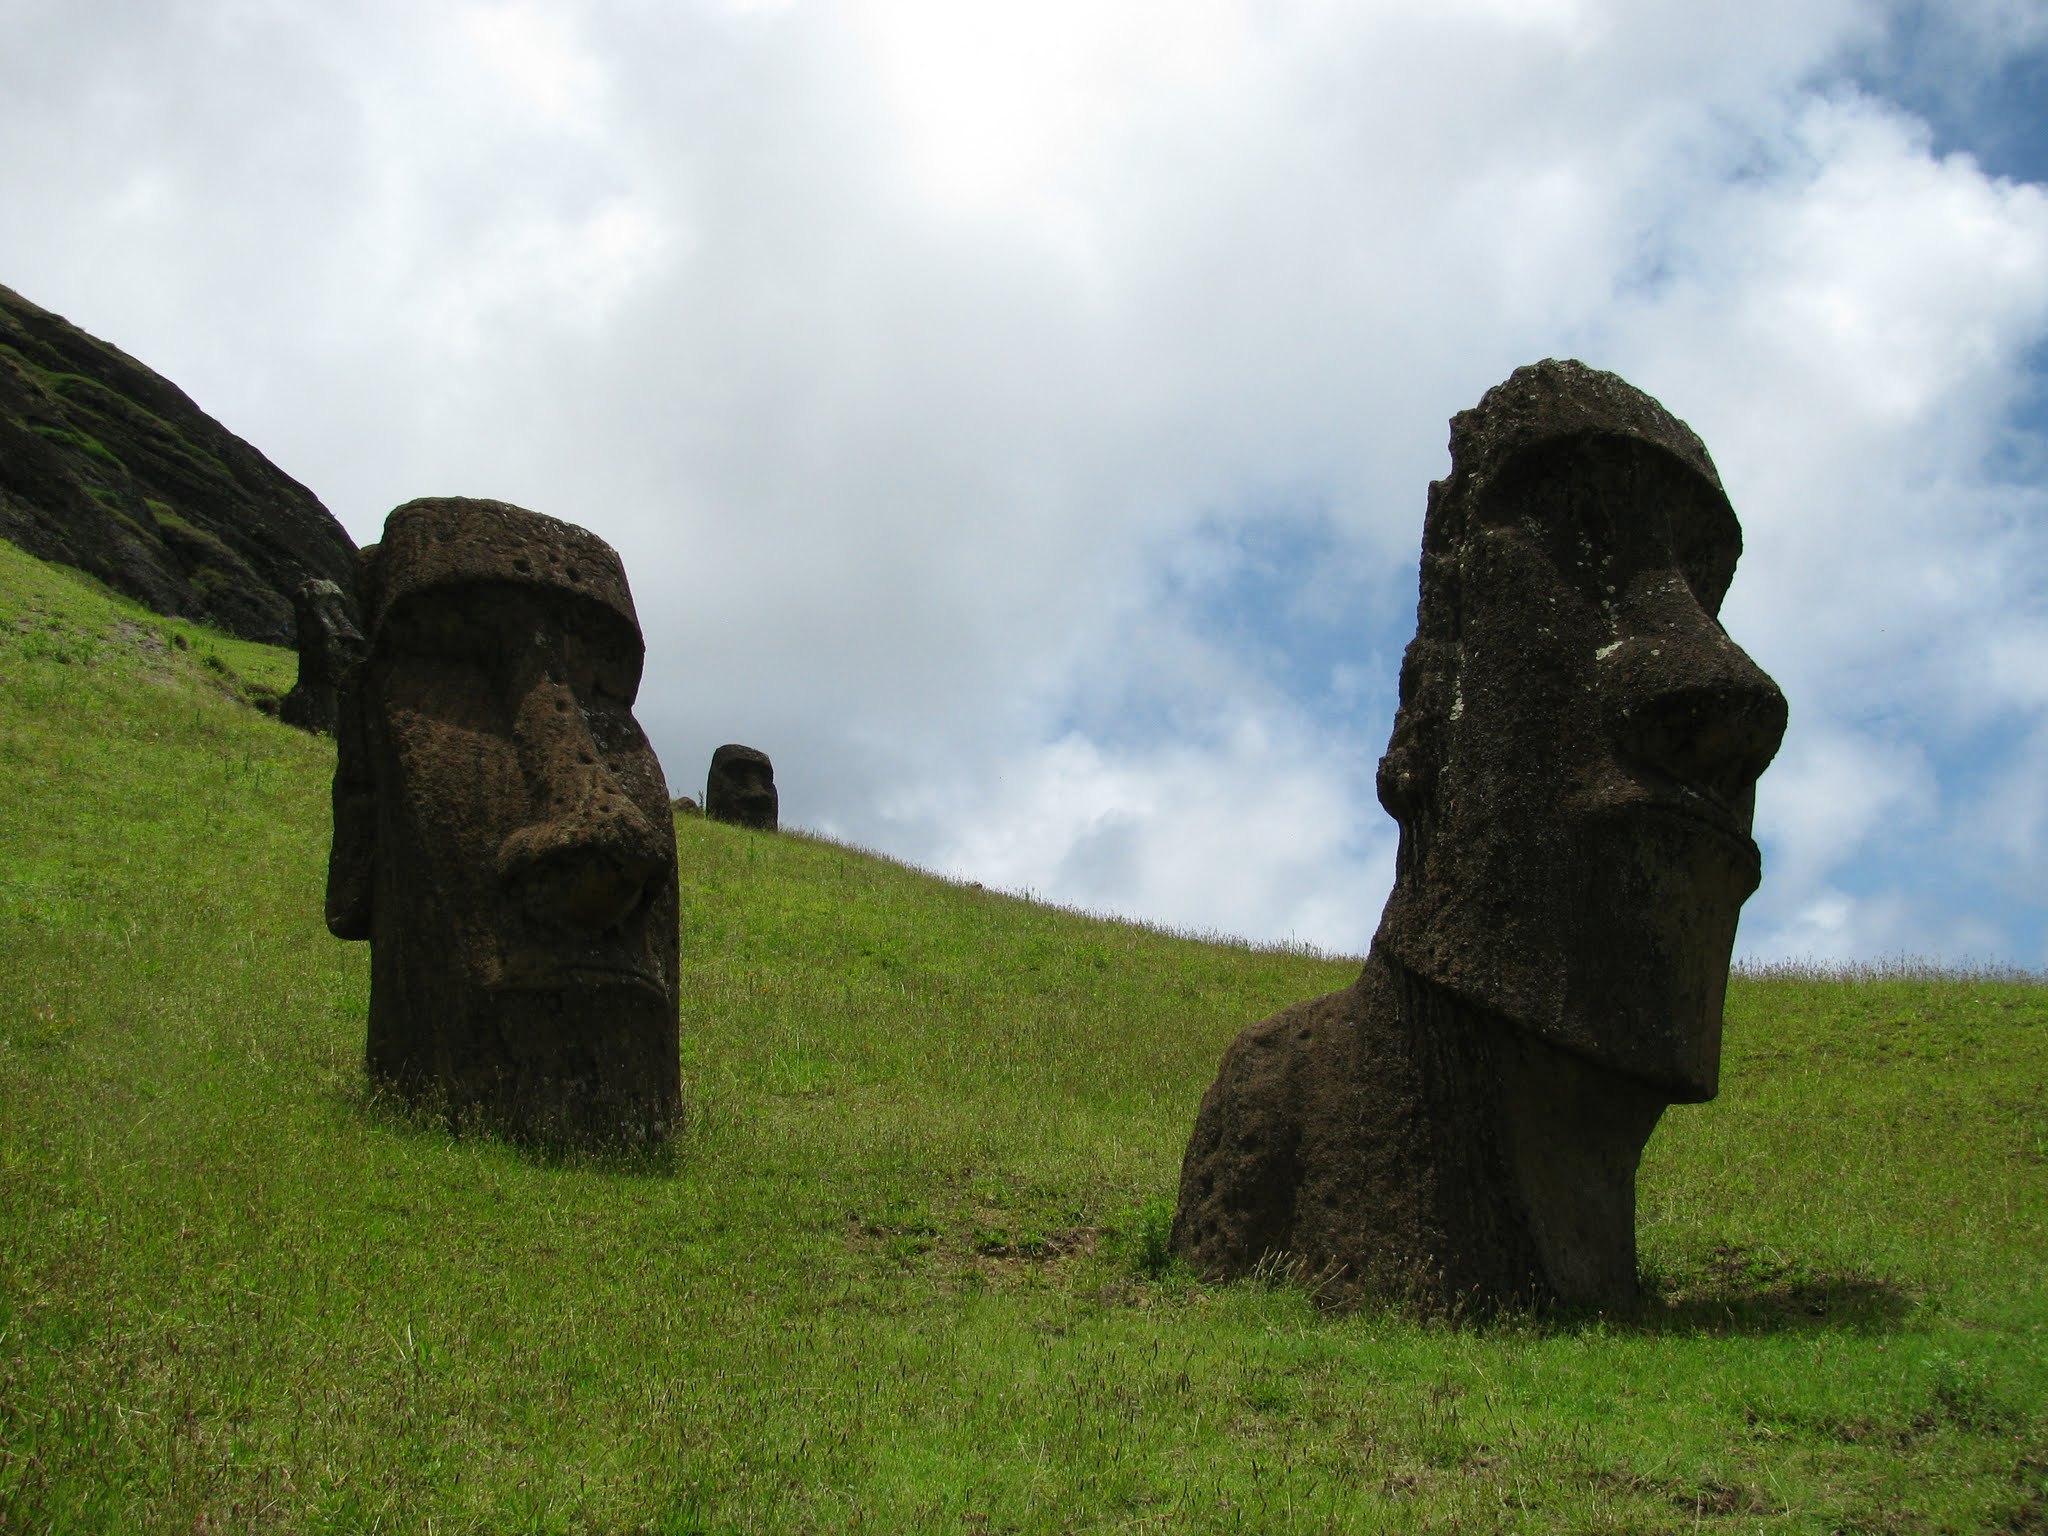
(1017,420)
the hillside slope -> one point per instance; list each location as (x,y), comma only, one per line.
(107,466)
(902,1271)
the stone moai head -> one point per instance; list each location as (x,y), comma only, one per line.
(741,788)
(330,649)
(1575,757)
(502,834)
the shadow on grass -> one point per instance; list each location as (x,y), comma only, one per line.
(1744,1290)
(1733,1291)
(385,1112)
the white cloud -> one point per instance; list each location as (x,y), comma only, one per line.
(1832,792)
(1251,834)
(1833,927)
(921,358)
(536,57)
(2003,829)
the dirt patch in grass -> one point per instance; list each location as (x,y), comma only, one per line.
(1716,1498)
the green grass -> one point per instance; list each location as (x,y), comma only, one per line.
(84,442)
(905,1270)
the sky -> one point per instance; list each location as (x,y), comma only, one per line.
(1016,419)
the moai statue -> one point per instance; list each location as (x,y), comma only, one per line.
(1573,767)
(502,833)
(330,649)
(741,788)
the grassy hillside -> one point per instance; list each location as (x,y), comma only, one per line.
(903,1272)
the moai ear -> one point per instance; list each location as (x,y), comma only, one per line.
(351,861)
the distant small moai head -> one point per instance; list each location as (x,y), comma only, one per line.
(741,788)
(330,649)
(1575,757)
(502,833)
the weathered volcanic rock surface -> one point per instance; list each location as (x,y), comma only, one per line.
(109,467)
(741,788)
(1573,767)
(502,830)
(330,650)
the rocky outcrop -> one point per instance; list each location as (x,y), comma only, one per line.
(109,467)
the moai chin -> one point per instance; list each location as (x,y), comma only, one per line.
(502,833)
(741,788)
(1573,767)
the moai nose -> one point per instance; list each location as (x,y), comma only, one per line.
(1687,702)
(589,858)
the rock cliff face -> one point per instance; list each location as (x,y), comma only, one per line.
(109,467)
